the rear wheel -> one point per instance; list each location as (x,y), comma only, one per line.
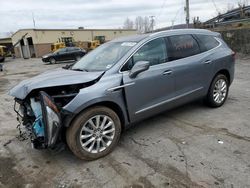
(94,133)
(52,60)
(218,91)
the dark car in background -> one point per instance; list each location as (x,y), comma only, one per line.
(64,54)
(1,58)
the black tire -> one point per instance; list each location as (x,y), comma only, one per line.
(52,60)
(74,131)
(210,100)
(77,58)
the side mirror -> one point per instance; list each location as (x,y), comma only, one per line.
(139,67)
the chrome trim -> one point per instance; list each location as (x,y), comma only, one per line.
(168,100)
(168,72)
(121,86)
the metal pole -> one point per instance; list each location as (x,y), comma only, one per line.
(187,13)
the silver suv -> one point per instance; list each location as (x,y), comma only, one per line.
(121,82)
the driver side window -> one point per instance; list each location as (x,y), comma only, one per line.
(154,51)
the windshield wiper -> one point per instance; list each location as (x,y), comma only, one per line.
(68,66)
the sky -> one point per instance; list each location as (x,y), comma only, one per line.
(17,14)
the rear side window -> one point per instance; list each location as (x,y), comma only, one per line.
(207,42)
(181,46)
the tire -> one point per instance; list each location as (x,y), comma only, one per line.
(81,123)
(52,60)
(77,58)
(211,99)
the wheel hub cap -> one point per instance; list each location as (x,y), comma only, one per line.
(97,134)
(220,91)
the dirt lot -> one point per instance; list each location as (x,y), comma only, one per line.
(192,146)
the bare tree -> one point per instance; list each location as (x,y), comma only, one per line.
(139,24)
(242,3)
(146,24)
(128,24)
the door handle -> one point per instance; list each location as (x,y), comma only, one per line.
(167,72)
(207,62)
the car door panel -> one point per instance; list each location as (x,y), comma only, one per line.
(151,88)
(148,91)
(191,67)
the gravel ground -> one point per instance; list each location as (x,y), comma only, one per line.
(191,146)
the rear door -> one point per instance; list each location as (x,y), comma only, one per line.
(190,66)
(150,91)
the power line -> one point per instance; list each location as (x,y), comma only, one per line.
(162,7)
(215,6)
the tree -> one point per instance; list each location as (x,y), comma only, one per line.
(139,24)
(242,3)
(147,24)
(128,24)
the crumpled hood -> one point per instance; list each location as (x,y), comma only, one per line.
(57,77)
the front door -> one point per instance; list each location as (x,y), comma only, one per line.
(151,90)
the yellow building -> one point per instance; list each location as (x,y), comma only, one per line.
(37,42)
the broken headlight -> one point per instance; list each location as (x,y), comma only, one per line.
(51,119)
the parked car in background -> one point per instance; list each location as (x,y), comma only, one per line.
(120,83)
(2,58)
(64,54)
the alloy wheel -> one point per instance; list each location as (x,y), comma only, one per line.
(97,134)
(220,91)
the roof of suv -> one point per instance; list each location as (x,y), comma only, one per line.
(139,37)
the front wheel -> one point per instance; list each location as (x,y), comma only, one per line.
(94,133)
(77,58)
(52,60)
(218,91)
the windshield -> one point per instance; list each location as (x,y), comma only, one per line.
(103,57)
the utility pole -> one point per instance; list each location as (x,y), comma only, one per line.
(34,22)
(186,9)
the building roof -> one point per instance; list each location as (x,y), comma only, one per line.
(6,40)
(40,29)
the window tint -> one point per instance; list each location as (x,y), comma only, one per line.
(207,42)
(154,51)
(182,46)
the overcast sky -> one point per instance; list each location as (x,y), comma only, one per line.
(17,14)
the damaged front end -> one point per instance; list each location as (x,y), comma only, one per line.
(41,118)
(40,102)
(41,113)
